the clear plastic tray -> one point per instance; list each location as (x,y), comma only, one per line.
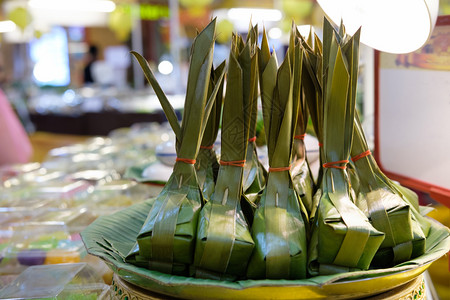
(62,281)
(121,193)
(96,177)
(37,244)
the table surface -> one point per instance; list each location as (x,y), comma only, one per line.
(42,142)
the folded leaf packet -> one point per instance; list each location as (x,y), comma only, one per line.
(228,218)
(224,243)
(312,94)
(207,165)
(279,225)
(301,174)
(343,238)
(166,240)
(385,208)
(255,174)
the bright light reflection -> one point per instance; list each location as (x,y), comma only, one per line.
(7,26)
(255,14)
(275,33)
(74,5)
(165,67)
(399,26)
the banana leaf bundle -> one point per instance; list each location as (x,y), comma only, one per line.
(167,238)
(385,208)
(312,93)
(254,172)
(343,238)
(301,173)
(207,165)
(279,225)
(224,243)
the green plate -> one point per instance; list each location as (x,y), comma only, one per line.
(111,237)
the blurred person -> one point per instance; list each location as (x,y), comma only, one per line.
(92,57)
(15,146)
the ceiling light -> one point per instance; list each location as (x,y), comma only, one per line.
(7,26)
(396,26)
(275,33)
(165,67)
(255,14)
(74,5)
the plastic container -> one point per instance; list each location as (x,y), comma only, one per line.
(8,171)
(74,219)
(37,244)
(61,281)
(121,193)
(95,177)
(65,193)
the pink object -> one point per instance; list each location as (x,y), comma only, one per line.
(15,147)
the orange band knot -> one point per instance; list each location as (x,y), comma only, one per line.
(186,160)
(234,163)
(334,164)
(359,156)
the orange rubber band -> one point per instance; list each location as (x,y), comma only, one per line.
(234,163)
(186,160)
(334,163)
(207,147)
(281,169)
(252,139)
(300,137)
(359,156)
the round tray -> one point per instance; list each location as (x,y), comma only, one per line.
(111,238)
(414,289)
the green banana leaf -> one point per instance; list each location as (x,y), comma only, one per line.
(167,238)
(224,242)
(207,165)
(301,174)
(112,237)
(312,94)
(303,183)
(254,172)
(254,177)
(207,168)
(279,225)
(343,238)
(385,208)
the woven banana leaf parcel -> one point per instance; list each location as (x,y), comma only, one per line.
(254,172)
(343,238)
(224,243)
(207,165)
(385,208)
(166,240)
(112,237)
(279,225)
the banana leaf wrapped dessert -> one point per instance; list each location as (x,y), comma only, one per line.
(167,238)
(279,225)
(207,164)
(386,209)
(254,172)
(343,238)
(312,92)
(224,243)
(301,173)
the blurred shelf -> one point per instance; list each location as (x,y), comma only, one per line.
(92,123)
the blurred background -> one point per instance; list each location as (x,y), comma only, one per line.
(66,70)
(67,62)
